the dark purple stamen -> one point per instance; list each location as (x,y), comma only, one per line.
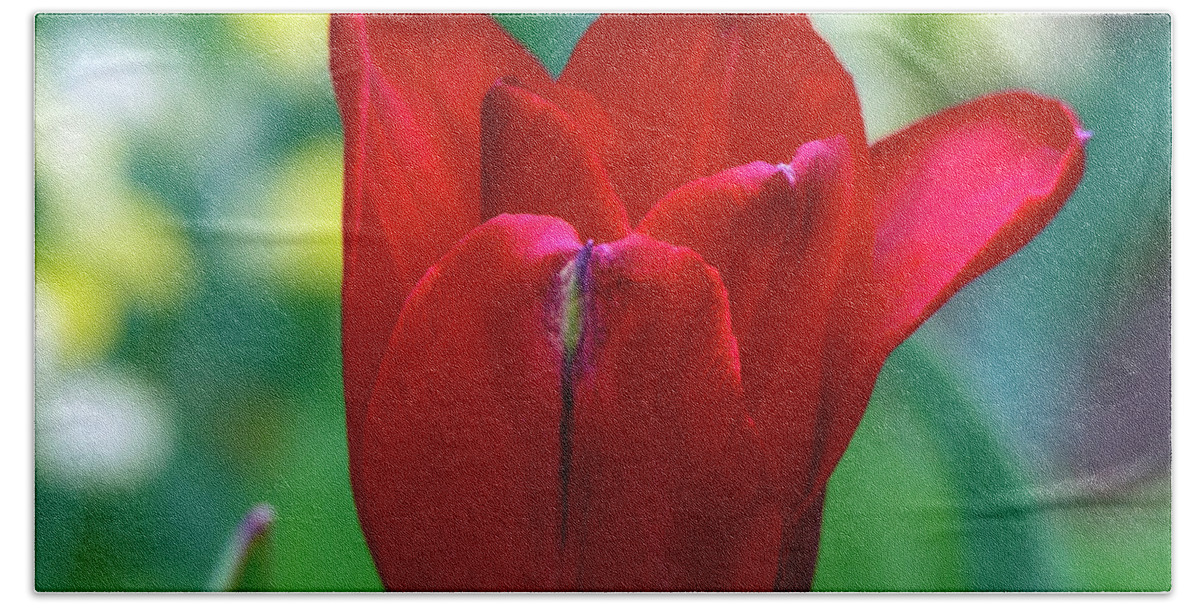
(573,326)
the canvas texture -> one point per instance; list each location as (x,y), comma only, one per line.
(632,302)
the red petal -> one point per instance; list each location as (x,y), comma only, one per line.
(957,194)
(691,95)
(460,480)
(780,236)
(777,235)
(669,488)
(409,89)
(961,191)
(738,220)
(536,161)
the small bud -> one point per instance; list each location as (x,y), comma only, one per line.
(247,543)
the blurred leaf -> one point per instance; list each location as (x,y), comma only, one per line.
(318,545)
(942,500)
(892,517)
(1120,543)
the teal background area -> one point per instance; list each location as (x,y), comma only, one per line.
(187,268)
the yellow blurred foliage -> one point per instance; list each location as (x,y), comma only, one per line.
(78,317)
(291,42)
(303,209)
(113,249)
(140,248)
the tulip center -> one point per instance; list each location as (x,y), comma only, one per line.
(574,291)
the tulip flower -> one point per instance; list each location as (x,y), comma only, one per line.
(614,330)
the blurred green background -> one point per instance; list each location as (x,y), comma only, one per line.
(187,268)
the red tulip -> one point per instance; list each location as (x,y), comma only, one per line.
(615,330)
